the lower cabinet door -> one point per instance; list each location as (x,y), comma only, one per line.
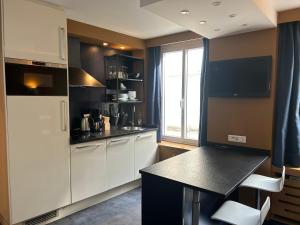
(88,170)
(145,151)
(120,161)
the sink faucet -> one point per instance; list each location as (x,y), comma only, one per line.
(133,115)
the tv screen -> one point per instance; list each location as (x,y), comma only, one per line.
(247,77)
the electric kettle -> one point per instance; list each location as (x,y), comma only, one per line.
(85,123)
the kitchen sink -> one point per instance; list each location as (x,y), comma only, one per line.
(132,128)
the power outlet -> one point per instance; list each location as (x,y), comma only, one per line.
(237,138)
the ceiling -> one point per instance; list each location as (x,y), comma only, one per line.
(162,17)
(123,16)
(281,5)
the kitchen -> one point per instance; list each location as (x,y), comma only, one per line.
(72,142)
(85,121)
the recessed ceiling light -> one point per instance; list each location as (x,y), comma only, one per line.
(217,29)
(185,12)
(122,47)
(216,3)
(244,24)
(202,22)
(232,15)
(105,44)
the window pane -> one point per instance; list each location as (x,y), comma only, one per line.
(194,66)
(172,79)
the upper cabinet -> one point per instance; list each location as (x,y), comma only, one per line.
(35,30)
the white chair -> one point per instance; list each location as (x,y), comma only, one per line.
(238,214)
(264,183)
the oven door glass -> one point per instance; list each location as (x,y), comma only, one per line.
(35,80)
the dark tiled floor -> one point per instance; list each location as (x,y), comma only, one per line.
(124,209)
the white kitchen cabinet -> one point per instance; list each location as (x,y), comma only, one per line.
(38,155)
(120,161)
(145,151)
(88,170)
(35,30)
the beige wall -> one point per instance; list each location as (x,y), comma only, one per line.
(4,193)
(252,117)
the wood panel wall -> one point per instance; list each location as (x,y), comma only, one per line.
(4,192)
(172,38)
(289,16)
(94,35)
(252,117)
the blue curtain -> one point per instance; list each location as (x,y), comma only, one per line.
(203,95)
(287,121)
(154,90)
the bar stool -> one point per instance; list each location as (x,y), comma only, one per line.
(239,214)
(264,183)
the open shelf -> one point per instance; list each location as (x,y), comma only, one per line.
(126,102)
(126,57)
(125,79)
(120,71)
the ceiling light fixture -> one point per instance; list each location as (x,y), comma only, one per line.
(202,22)
(122,47)
(232,15)
(105,44)
(185,12)
(216,3)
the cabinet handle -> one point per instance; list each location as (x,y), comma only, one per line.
(143,136)
(62,43)
(94,147)
(118,141)
(63,116)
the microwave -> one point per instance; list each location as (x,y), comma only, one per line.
(35,78)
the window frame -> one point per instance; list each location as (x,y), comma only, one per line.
(184,47)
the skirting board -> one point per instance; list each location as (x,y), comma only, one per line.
(78,206)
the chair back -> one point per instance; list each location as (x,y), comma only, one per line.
(264,210)
(282,178)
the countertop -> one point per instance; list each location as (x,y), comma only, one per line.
(105,134)
(209,169)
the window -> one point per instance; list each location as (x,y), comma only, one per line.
(181,73)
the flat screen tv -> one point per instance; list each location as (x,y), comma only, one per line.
(247,77)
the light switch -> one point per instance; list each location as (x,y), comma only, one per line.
(237,138)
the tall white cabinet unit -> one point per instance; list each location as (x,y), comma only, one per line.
(38,152)
(39,155)
(34,30)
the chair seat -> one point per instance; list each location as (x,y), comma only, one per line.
(262,183)
(237,214)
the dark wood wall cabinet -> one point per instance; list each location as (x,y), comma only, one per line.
(286,204)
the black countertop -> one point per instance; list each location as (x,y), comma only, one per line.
(105,134)
(210,169)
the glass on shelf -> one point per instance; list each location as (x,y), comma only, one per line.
(112,72)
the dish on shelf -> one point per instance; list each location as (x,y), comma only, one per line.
(132,99)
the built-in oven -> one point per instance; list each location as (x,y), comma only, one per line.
(33,78)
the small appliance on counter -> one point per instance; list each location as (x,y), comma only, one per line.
(85,123)
(96,122)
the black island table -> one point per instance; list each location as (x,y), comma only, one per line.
(189,188)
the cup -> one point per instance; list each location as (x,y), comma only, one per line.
(132,95)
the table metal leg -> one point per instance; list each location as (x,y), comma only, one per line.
(257,198)
(196,208)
